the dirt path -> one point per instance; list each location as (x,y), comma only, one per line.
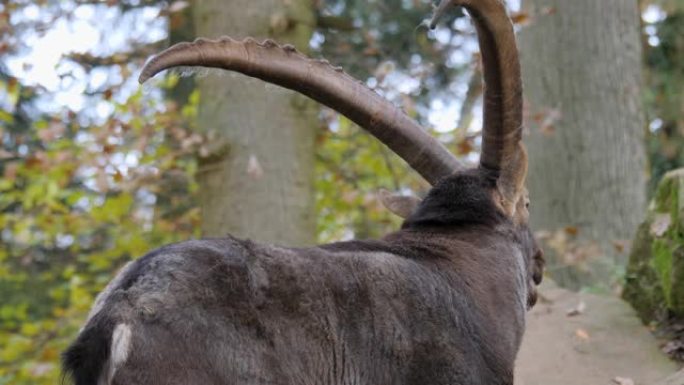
(602,343)
(675,379)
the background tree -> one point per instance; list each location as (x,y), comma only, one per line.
(582,69)
(260,184)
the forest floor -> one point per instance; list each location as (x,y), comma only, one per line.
(585,339)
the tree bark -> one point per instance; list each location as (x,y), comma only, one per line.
(261,186)
(588,168)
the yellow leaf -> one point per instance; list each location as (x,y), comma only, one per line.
(582,334)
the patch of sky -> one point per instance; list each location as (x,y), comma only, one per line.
(317,40)
(513,5)
(95,29)
(653,41)
(655,125)
(64,240)
(653,14)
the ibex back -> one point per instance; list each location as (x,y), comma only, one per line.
(440,301)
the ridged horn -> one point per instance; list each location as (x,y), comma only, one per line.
(317,79)
(502,148)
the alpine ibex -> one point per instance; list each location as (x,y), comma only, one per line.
(440,301)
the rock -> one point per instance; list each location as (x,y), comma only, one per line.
(579,339)
(655,272)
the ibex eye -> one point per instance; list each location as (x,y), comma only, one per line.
(527,205)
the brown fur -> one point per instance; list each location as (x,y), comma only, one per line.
(441,301)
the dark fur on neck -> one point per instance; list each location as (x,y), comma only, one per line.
(462,199)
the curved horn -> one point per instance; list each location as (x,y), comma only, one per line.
(285,66)
(502,148)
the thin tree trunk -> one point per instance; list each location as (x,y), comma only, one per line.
(261,187)
(588,168)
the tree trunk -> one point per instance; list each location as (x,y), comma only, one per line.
(261,186)
(587,167)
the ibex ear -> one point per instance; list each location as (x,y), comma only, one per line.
(400,205)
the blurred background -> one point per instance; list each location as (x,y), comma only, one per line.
(96,170)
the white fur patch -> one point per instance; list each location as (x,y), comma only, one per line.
(121,345)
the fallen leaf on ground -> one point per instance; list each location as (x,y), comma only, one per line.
(572,230)
(254,169)
(623,381)
(577,310)
(582,334)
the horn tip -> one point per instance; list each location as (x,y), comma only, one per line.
(143,78)
(146,73)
